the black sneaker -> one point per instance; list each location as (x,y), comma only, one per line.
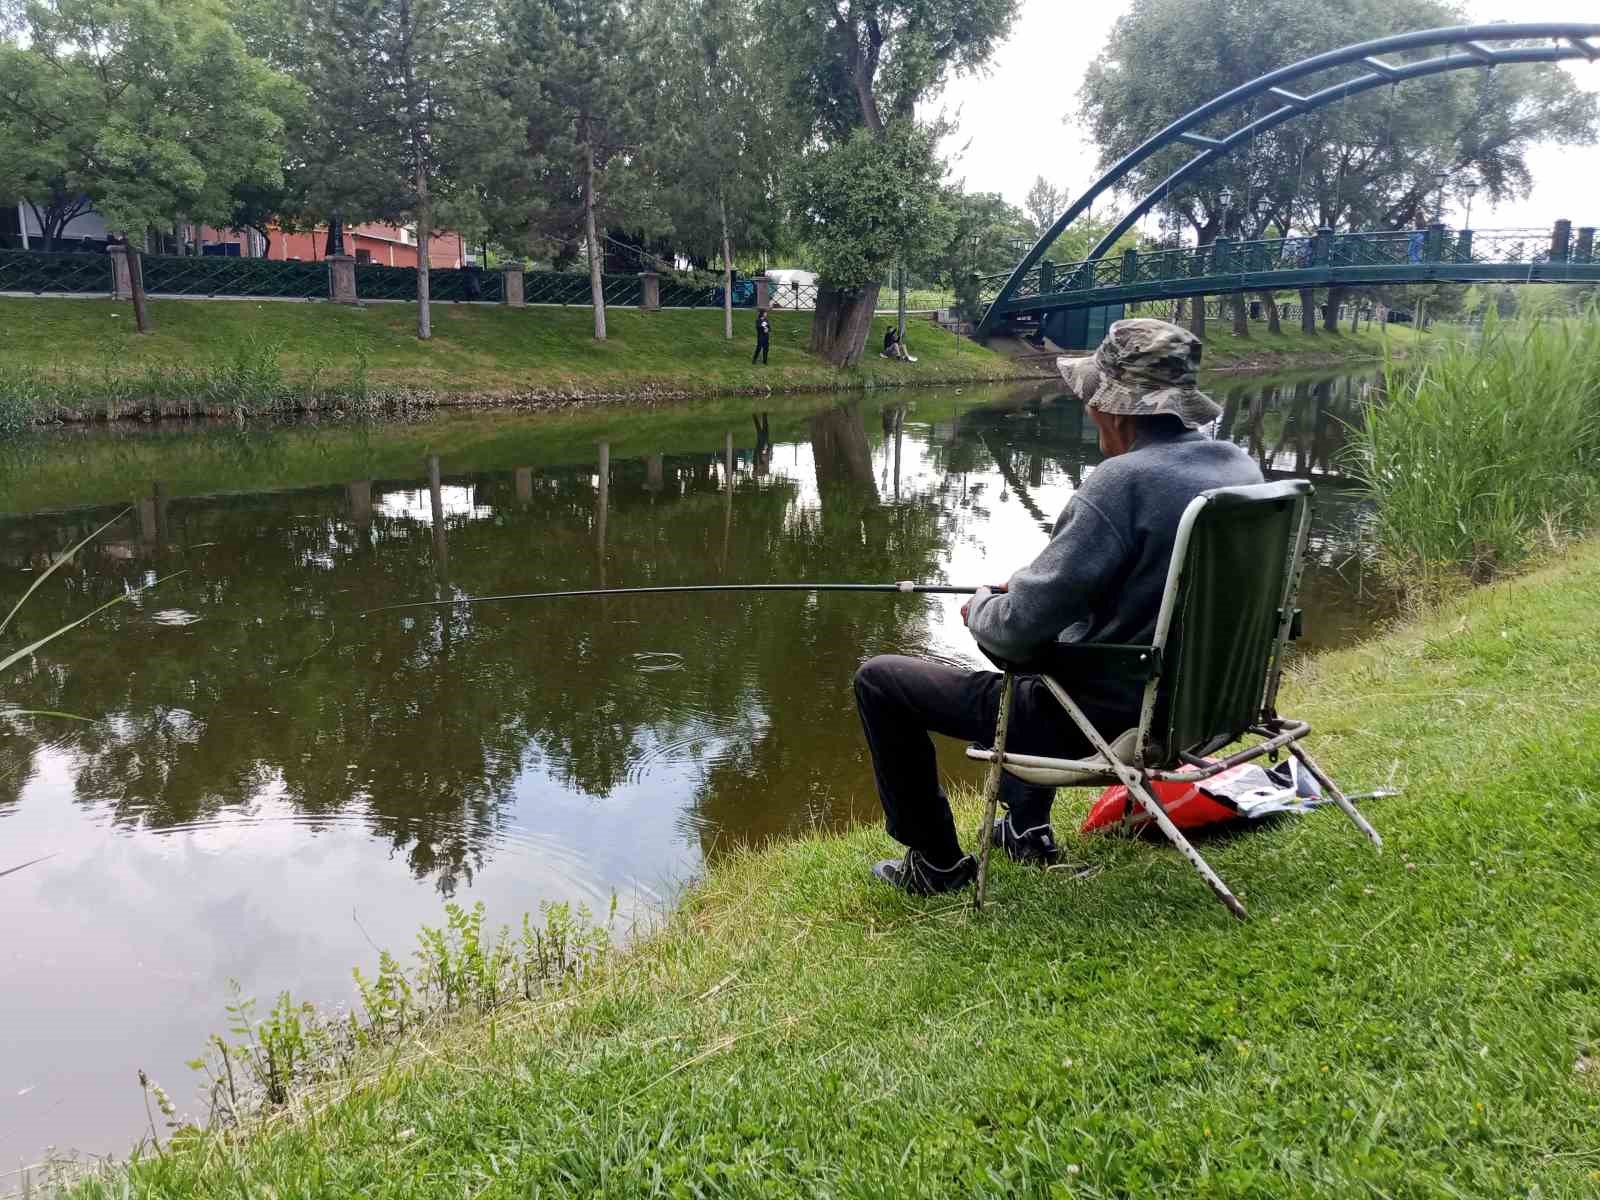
(1033,847)
(916,875)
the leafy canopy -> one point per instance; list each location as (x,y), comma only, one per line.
(150,108)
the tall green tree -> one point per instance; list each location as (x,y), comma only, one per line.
(986,237)
(1044,203)
(395,93)
(868,190)
(147,110)
(576,95)
(719,134)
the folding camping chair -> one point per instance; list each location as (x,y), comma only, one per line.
(1210,674)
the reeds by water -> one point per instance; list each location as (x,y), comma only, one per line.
(1482,454)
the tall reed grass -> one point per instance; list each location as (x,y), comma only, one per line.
(1479,455)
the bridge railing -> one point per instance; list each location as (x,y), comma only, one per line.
(1225,257)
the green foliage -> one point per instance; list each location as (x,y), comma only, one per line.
(1479,454)
(460,970)
(148,108)
(573,87)
(866,202)
(863,66)
(718,136)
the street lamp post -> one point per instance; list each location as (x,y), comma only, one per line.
(1226,197)
(1471,189)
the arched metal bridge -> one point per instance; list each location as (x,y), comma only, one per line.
(1436,254)
(1034,286)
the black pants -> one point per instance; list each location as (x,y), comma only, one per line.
(902,700)
(761,350)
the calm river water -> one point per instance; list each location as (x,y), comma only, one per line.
(273,784)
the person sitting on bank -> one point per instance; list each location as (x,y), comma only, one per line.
(1099,579)
(763,336)
(893,347)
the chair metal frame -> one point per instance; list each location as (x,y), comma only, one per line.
(1129,767)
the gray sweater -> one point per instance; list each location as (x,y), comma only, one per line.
(1101,577)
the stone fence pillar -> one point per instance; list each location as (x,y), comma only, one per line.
(649,291)
(763,292)
(1585,250)
(1561,242)
(342,279)
(121,276)
(511,285)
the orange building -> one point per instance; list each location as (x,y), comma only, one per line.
(381,245)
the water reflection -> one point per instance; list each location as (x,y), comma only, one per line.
(274,777)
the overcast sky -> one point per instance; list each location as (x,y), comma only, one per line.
(1018,121)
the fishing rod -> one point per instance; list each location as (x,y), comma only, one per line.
(906,586)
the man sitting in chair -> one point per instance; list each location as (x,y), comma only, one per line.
(1099,579)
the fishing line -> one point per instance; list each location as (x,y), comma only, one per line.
(905,586)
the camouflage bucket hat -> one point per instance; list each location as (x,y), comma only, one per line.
(1144,367)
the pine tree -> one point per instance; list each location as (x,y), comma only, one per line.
(396,93)
(576,92)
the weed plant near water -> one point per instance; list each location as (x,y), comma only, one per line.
(1478,456)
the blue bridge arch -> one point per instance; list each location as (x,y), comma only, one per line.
(1031,287)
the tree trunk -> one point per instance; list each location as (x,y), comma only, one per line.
(841,323)
(1241,316)
(1330,311)
(1197,319)
(424,237)
(900,308)
(1308,311)
(1269,304)
(141,320)
(597,290)
(727,270)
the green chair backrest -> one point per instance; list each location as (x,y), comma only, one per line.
(1224,644)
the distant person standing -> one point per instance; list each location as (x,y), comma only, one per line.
(763,336)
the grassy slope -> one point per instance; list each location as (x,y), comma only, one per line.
(1400,1026)
(1292,348)
(474,348)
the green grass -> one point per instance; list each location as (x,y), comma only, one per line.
(1424,1023)
(1225,351)
(1482,454)
(77,354)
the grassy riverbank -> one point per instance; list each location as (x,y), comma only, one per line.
(1292,349)
(82,357)
(1422,1023)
